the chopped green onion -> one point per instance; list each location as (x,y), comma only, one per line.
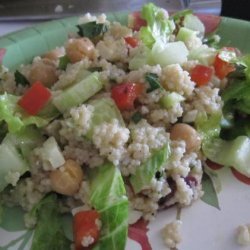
(153,81)
(21,79)
(136,117)
(92,29)
(63,62)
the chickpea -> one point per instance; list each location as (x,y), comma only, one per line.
(67,179)
(77,49)
(185,132)
(54,54)
(43,71)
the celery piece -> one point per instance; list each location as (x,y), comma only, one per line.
(52,153)
(185,34)
(78,93)
(169,100)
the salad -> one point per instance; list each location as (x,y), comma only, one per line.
(120,123)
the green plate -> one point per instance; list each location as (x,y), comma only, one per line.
(23,45)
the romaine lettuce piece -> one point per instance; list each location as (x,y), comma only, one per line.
(209,127)
(235,153)
(25,140)
(106,186)
(49,232)
(108,196)
(170,53)
(12,165)
(158,28)
(105,110)
(13,115)
(78,93)
(146,172)
(14,152)
(114,227)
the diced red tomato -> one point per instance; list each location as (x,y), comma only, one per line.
(35,98)
(124,94)
(222,68)
(2,53)
(84,225)
(240,176)
(135,21)
(213,165)
(132,41)
(201,74)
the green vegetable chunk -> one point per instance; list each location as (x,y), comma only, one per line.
(158,28)
(192,22)
(78,93)
(49,232)
(146,172)
(234,153)
(12,163)
(108,196)
(14,116)
(14,151)
(169,100)
(92,29)
(105,110)
(170,53)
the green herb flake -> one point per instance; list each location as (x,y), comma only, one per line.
(153,81)
(91,29)
(63,62)
(21,79)
(136,117)
(210,196)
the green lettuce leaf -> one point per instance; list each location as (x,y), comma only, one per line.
(105,110)
(49,232)
(108,196)
(209,127)
(13,115)
(234,153)
(146,172)
(14,151)
(158,28)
